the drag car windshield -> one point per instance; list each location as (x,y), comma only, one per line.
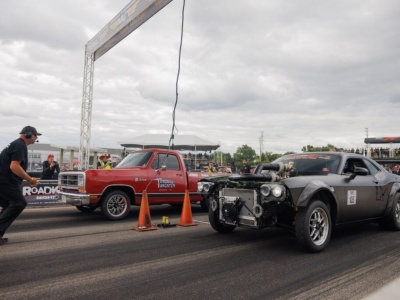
(312,164)
(136,159)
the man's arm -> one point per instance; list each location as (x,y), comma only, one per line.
(16,168)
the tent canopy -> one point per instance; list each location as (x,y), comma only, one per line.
(180,142)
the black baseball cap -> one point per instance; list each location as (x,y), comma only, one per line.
(29,129)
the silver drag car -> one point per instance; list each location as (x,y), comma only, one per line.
(308,193)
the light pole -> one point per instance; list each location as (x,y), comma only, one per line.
(219,143)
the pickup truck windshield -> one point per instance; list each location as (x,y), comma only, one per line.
(136,159)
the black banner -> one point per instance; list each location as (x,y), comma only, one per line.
(42,195)
(382,140)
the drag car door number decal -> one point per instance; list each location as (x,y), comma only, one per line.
(351,197)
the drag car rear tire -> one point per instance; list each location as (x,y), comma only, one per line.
(213,217)
(116,205)
(86,208)
(313,226)
(392,220)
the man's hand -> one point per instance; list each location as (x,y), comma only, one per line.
(33,181)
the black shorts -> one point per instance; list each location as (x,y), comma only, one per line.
(11,195)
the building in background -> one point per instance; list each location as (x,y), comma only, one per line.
(66,156)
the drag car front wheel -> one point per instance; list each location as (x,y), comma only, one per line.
(313,226)
(205,204)
(213,217)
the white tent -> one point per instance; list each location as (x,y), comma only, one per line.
(180,142)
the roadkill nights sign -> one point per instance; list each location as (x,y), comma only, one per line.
(165,183)
(44,194)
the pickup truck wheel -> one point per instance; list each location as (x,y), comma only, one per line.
(392,220)
(213,217)
(86,208)
(313,226)
(116,205)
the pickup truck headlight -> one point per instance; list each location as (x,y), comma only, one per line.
(204,187)
(81,181)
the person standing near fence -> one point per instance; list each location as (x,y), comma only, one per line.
(49,167)
(13,165)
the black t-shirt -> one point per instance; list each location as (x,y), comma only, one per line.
(16,150)
(246,169)
(48,172)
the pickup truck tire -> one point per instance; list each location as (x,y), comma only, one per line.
(392,220)
(86,208)
(313,226)
(116,205)
(213,217)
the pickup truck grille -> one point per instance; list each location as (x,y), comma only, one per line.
(69,181)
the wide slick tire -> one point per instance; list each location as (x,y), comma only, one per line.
(213,217)
(313,226)
(392,220)
(116,205)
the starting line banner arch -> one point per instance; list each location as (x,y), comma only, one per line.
(134,14)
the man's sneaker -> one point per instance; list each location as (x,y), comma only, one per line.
(3,241)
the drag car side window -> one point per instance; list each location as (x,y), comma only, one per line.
(372,169)
(360,163)
(171,161)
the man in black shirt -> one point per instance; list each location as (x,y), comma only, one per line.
(49,166)
(13,164)
(246,169)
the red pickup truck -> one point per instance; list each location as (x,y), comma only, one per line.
(160,172)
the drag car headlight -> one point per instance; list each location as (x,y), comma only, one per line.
(204,186)
(207,186)
(277,191)
(199,186)
(265,190)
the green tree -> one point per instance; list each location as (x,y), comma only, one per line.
(310,148)
(219,155)
(269,156)
(244,152)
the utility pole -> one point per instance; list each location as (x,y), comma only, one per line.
(368,152)
(261,144)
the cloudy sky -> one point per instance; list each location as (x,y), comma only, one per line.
(302,72)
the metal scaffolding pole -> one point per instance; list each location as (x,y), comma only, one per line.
(133,15)
(86,115)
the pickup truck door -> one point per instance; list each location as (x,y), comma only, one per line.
(168,185)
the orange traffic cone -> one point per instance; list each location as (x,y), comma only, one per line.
(186,216)
(144,222)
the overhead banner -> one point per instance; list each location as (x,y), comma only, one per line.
(127,20)
(44,194)
(382,140)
